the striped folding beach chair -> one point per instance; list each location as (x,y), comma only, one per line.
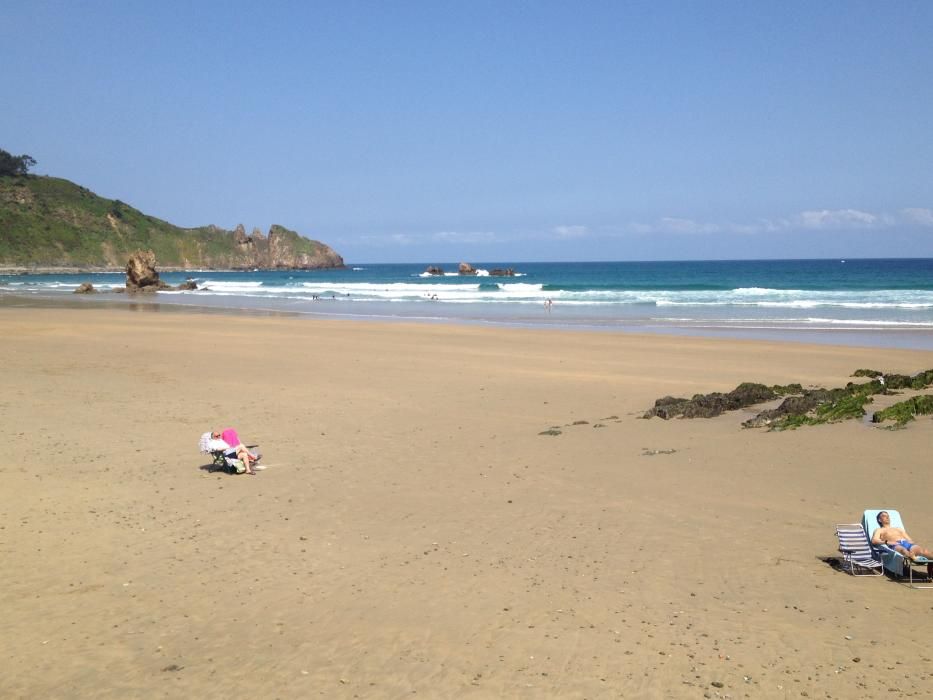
(858,557)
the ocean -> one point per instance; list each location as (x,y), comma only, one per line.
(875,302)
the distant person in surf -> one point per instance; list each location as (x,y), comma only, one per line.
(548,304)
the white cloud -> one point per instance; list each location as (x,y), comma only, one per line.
(836,218)
(916,215)
(412,239)
(811,220)
(464,237)
(575,231)
(402,239)
(673,224)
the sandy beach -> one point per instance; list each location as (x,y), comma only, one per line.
(414,533)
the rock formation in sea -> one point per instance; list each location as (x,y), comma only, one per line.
(141,274)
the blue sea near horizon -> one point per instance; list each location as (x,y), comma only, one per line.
(874,302)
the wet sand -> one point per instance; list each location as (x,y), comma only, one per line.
(415,534)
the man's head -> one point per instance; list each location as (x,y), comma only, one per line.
(883,518)
(215,434)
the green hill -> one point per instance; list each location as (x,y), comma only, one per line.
(48,222)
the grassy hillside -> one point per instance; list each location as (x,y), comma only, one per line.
(51,222)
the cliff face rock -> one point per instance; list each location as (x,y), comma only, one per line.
(48,222)
(281,249)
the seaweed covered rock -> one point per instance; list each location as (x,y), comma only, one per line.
(905,411)
(918,381)
(795,406)
(872,373)
(666,407)
(711,405)
(806,407)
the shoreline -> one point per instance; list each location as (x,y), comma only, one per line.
(878,338)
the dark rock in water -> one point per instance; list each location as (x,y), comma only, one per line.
(711,405)
(187,285)
(499,272)
(433,270)
(466,269)
(85,288)
(141,275)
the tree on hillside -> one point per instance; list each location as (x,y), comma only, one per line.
(15,165)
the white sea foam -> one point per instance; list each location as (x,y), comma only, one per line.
(231,286)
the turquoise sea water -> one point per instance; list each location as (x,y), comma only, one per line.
(860,301)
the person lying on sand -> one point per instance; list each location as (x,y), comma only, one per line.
(898,539)
(229,436)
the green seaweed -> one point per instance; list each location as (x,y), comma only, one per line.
(845,408)
(873,373)
(792,421)
(922,380)
(841,404)
(905,411)
(787,389)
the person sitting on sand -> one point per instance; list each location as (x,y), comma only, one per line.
(229,436)
(897,539)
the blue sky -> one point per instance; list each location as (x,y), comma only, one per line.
(493,131)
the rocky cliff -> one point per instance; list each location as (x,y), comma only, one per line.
(48,222)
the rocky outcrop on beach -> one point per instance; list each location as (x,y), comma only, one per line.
(811,406)
(466,269)
(794,405)
(85,288)
(710,405)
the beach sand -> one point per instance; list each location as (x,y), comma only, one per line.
(415,535)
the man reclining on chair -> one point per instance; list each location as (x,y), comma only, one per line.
(229,436)
(897,539)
